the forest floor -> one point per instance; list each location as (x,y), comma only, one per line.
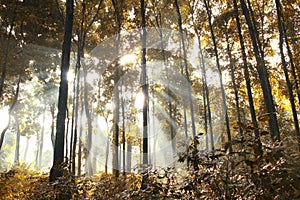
(271,171)
(26,184)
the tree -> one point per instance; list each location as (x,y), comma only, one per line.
(58,158)
(11,108)
(263,73)
(246,70)
(285,69)
(144,85)
(208,10)
(186,70)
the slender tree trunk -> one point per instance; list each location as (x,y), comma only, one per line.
(26,149)
(52,111)
(233,80)
(123,134)
(73,124)
(205,91)
(79,158)
(206,101)
(154,134)
(75,111)
(118,5)
(58,158)
(285,69)
(67,138)
(17,150)
(246,72)
(263,75)
(41,142)
(171,123)
(36,166)
(185,117)
(186,66)
(129,156)
(293,68)
(89,122)
(144,89)
(208,10)
(80,53)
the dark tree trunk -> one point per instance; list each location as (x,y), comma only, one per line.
(208,10)
(246,72)
(263,75)
(144,88)
(123,134)
(58,158)
(293,68)
(285,69)
(144,85)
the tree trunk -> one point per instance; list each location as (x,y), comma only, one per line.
(80,139)
(58,158)
(129,156)
(17,150)
(123,134)
(263,75)
(52,111)
(89,122)
(41,143)
(144,89)
(293,68)
(118,6)
(153,132)
(26,149)
(206,101)
(246,73)
(186,67)
(11,108)
(233,80)
(37,151)
(285,69)
(208,10)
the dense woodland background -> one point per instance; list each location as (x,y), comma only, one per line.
(106,99)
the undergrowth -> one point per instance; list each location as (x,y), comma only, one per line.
(253,168)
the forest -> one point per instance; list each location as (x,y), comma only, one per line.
(149,99)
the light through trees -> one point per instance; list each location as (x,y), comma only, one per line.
(146,75)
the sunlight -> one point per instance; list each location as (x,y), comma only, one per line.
(70,75)
(4,118)
(92,77)
(139,101)
(129,58)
